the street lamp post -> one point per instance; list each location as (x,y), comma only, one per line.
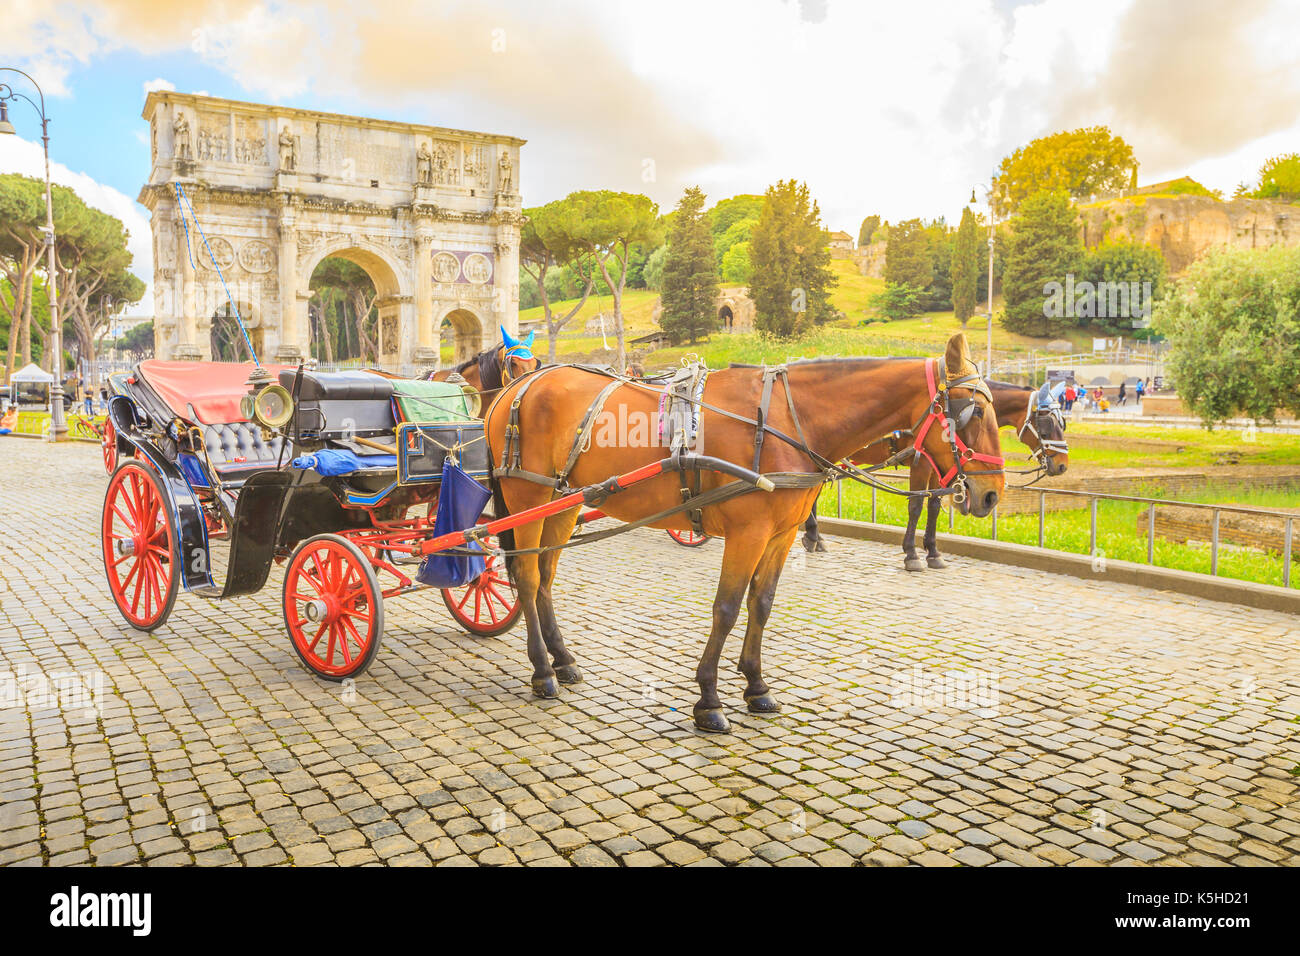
(110,320)
(58,424)
(988,348)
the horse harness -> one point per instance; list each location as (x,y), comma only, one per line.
(1046,446)
(955,414)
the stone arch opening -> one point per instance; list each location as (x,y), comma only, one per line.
(225,339)
(467,331)
(375,289)
(342,319)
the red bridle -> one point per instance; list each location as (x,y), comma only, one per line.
(939,412)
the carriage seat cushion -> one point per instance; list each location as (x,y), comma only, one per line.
(339,386)
(238,448)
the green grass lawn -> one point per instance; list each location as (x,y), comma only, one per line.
(1199,447)
(1118,537)
(638,308)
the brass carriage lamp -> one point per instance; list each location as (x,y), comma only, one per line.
(268,403)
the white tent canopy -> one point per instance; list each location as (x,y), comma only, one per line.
(32,373)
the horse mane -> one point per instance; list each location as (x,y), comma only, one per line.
(489,369)
(472,360)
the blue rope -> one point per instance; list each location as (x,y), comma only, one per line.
(182,201)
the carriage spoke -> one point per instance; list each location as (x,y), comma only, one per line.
(345,627)
(125,520)
(316,640)
(491,589)
(460,605)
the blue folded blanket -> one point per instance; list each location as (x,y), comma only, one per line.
(340,461)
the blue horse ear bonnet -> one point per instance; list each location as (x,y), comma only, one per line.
(519,348)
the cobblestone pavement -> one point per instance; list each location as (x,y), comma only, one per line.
(1158,730)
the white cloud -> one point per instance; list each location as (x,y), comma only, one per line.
(158,84)
(17,155)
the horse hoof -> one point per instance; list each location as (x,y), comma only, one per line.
(568,674)
(810,544)
(914,564)
(712,720)
(546,688)
(763,703)
(936,562)
(821,546)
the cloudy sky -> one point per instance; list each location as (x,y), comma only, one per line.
(893,108)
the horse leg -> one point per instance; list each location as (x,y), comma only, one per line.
(812,537)
(526,571)
(910,561)
(739,559)
(556,531)
(762,589)
(932,556)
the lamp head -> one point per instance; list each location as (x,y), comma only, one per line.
(5,125)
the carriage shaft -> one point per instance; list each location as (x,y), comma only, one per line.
(591,494)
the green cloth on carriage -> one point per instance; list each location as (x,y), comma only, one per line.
(440,402)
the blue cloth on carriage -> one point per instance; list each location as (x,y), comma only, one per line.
(461,501)
(340,461)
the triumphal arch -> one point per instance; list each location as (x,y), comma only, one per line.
(431,214)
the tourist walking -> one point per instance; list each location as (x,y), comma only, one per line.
(1123,393)
(1138,390)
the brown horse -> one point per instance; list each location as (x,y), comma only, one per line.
(841,406)
(1035,416)
(492,369)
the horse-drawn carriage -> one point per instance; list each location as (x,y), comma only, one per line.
(292,471)
(292,466)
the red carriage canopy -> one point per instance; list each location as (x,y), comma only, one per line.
(206,392)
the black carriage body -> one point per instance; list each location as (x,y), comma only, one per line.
(267,506)
(340,405)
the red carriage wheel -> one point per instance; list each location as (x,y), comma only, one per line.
(139,546)
(333,607)
(688,539)
(109,444)
(488,605)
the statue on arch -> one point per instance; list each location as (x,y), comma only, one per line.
(505,173)
(287,150)
(181,137)
(424,165)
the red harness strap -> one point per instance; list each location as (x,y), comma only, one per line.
(961,452)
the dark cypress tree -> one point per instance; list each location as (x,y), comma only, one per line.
(790,257)
(965,267)
(1044,248)
(690,273)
